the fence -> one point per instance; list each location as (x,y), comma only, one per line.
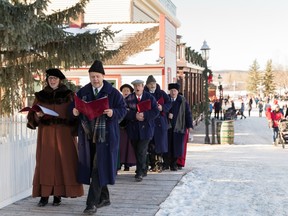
(17,159)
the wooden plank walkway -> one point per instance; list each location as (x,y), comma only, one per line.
(128,198)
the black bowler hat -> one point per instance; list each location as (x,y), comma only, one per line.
(55,72)
(173,86)
(126,86)
(97,66)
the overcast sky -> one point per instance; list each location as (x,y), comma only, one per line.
(237,31)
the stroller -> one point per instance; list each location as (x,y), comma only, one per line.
(283,132)
(230,114)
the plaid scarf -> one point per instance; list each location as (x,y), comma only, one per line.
(99,129)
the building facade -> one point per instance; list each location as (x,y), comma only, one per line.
(148,30)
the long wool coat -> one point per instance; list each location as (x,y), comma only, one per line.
(176,139)
(56,153)
(160,138)
(141,130)
(107,152)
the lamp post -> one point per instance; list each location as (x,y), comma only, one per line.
(205,56)
(220,95)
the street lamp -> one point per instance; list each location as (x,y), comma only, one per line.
(219,79)
(205,56)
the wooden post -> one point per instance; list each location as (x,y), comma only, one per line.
(213,130)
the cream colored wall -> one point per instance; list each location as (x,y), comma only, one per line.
(107,11)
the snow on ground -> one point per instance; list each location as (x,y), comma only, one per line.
(247,178)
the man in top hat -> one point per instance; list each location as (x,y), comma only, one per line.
(180,118)
(140,127)
(159,144)
(98,139)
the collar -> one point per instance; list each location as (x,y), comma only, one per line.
(139,96)
(99,89)
(173,99)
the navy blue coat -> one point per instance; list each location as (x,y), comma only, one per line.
(160,138)
(141,130)
(107,152)
(177,139)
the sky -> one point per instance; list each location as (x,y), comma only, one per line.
(238,32)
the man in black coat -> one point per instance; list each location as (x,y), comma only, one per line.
(99,138)
(142,110)
(180,118)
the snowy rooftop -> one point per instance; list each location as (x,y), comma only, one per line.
(127,31)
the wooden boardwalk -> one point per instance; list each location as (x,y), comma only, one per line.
(127,198)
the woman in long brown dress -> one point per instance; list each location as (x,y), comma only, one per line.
(56,155)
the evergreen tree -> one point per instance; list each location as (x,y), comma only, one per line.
(254,78)
(268,79)
(32,41)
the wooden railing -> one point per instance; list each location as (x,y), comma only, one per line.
(17,159)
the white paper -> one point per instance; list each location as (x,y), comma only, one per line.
(48,111)
(190,137)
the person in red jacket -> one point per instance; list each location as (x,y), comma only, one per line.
(276,116)
(268,116)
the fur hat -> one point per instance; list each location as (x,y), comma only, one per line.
(55,72)
(127,86)
(97,66)
(173,86)
(150,79)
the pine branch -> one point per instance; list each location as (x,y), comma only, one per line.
(31,42)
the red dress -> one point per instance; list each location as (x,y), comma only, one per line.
(181,160)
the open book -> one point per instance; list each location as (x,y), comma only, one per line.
(161,100)
(91,109)
(38,108)
(144,106)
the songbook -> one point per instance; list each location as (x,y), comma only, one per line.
(143,106)
(91,109)
(161,101)
(38,108)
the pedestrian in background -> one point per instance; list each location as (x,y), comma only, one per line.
(242,108)
(217,108)
(268,116)
(250,102)
(210,108)
(56,154)
(276,116)
(140,127)
(286,111)
(98,139)
(260,107)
